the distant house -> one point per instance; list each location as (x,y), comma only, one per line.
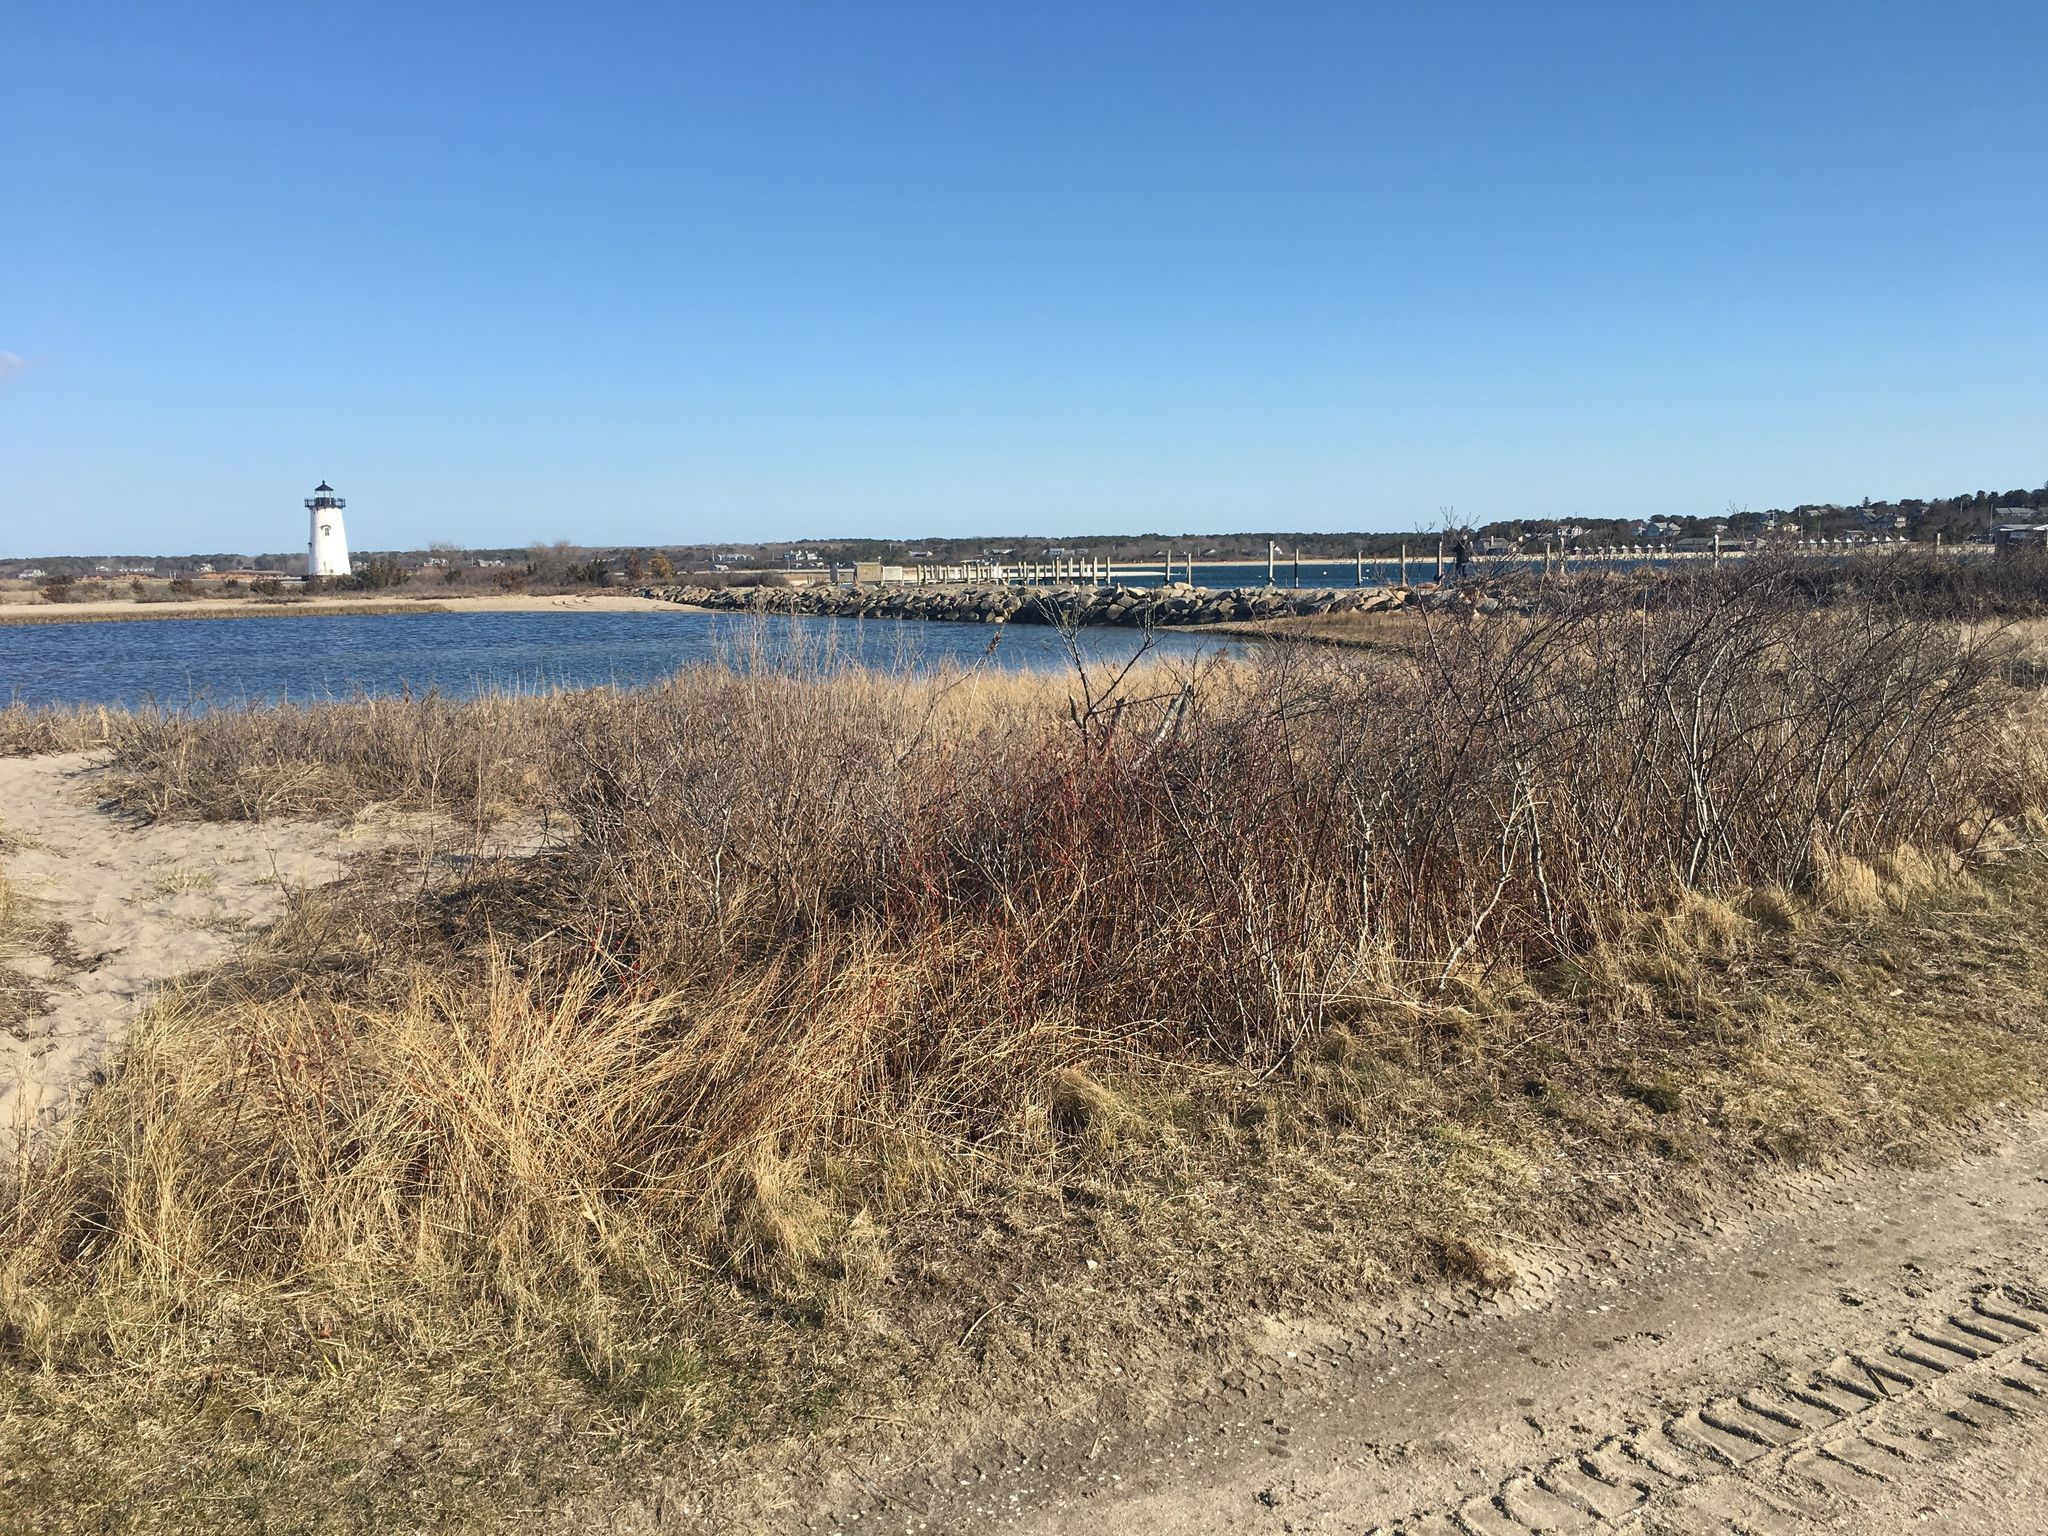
(2009,538)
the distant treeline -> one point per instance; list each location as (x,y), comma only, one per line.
(1953,518)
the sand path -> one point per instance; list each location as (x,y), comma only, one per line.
(114,907)
(1858,1351)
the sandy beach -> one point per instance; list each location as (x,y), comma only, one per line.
(114,906)
(131,905)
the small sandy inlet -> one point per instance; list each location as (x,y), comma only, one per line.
(101,909)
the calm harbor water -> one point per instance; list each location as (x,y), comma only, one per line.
(1314,573)
(225,662)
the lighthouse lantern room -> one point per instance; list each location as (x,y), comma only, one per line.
(327,544)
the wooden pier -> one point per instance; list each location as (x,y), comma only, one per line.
(1284,568)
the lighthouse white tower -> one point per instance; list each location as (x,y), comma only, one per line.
(327,544)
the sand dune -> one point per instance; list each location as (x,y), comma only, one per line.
(116,907)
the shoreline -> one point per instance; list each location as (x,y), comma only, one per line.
(117,612)
(1175,605)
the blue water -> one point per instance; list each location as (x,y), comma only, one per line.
(1314,573)
(222,662)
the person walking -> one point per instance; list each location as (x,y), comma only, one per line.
(1461,556)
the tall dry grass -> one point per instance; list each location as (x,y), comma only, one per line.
(26,730)
(479,756)
(819,937)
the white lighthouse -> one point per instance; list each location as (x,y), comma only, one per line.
(327,544)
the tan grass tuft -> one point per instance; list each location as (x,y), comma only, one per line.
(860,1254)
(1338,1047)
(1906,871)
(1468,1262)
(1848,884)
(1707,925)
(1773,907)
(1081,1106)
(774,1230)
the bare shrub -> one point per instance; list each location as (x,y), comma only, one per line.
(808,916)
(2012,585)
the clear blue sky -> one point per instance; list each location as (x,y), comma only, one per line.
(660,273)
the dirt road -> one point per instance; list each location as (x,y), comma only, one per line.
(1862,1352)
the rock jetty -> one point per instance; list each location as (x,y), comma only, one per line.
(1162,607)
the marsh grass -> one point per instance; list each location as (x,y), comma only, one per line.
(847,1008)
(20,998)
(27,731)
(800,910)
(465,1375)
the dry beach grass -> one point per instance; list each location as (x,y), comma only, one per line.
(852,1021)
